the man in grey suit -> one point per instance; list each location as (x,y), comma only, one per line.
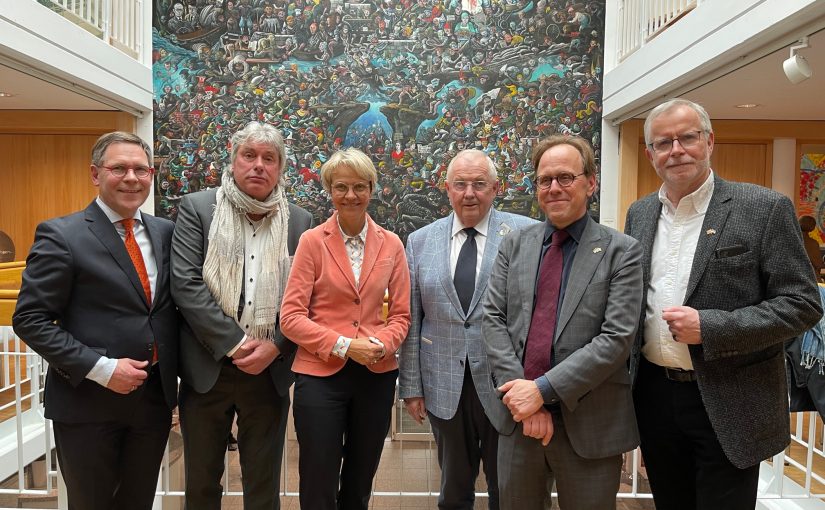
(726,282)
(559,319)
(230,261)
(444,370)
(95,304)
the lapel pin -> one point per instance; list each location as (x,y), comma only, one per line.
(504,229)
(710,231)
(597,250)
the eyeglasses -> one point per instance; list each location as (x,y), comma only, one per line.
(686,140)
(477,185)
(141,172)
(564,180)
(359,188)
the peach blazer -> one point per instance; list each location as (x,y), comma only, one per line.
(321,301)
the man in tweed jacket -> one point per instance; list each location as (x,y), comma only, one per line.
(444,370)
(726,282)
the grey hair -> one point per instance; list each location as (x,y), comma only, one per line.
(492,171)
(704,118)
(103,143)
(256,132)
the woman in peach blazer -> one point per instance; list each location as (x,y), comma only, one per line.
(345,365)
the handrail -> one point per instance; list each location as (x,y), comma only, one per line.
(642,20)
(118,22)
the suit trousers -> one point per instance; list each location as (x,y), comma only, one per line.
(341,421)
(527,470)
(206,420)
(685,463)
(463,442)
(114,465)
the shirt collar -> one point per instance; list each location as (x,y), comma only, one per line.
(111,214)
(361,235)
(699,200)
(575,229)
(481,227)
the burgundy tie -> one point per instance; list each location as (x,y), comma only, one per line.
(543,325)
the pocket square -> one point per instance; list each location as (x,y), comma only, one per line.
(426,340)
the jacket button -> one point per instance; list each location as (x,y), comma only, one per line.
(355,323)
(466,325)
(357,301)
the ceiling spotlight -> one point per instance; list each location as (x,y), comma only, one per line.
(5,94)
(748,105)
(796,67)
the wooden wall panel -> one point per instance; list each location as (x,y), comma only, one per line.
(44,166)
(43,176)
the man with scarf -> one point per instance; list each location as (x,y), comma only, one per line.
(230,261)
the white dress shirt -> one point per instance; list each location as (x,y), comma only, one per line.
(102,372)
(677,234)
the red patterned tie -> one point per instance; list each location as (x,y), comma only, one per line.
(137,260)
(543,324)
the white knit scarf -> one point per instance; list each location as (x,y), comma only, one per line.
(223,268)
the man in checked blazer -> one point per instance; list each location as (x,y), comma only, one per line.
(560,315)
(444,370)
(726,282)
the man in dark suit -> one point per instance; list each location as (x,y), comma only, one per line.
(559,319)
(726,282)
(444,370)
(95,303)
(230,261)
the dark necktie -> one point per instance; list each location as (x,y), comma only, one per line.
(465,269)
(543,324)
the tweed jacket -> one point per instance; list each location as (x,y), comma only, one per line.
(596,326)
(754,288)
(441,335)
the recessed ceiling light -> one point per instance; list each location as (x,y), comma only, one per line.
(748,105)
(6,94)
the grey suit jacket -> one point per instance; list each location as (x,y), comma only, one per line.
(442,336)
(81,299)
(207,334)
(596,327)
(750,300)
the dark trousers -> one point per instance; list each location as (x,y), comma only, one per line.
(527,471)
(685,463)
(463,442)
(114,465)
(341,422)
(206,420)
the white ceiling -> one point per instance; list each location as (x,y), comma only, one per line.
(762,82)
(32,93)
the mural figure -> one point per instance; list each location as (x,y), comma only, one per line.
(409,82)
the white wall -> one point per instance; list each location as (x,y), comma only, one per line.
(714,38)
(47,45)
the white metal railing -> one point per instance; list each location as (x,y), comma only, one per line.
(118,22)
(641,20)
(408,472)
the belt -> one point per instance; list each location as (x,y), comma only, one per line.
(679,375)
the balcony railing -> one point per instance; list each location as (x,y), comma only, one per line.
(641,20)
(117,22)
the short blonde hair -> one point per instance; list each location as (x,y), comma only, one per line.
(359,162)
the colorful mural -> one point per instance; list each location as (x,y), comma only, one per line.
(409,82)
(812,192)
